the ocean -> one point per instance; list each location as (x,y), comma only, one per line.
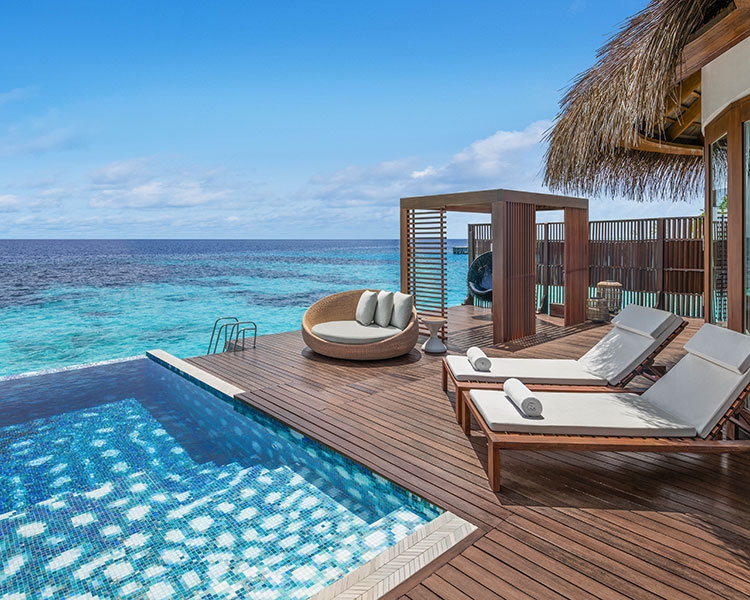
(66,302)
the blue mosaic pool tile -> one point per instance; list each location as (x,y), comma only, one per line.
(184,497)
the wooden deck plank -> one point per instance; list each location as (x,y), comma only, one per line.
(566,525)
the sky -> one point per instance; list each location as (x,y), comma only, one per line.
(243,119)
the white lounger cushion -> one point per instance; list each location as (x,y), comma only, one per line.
(620,351)
(721,346)
(353,332)
(615,356)
(689,400)
(698,390)
(650,322)
(528,370)
(580,414)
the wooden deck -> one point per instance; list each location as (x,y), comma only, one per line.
(566,525)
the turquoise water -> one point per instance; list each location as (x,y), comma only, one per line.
(66,302)
(135,483)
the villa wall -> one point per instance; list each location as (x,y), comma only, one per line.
(724,80)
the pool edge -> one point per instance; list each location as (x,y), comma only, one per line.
(194,374)
(396,564)
(393,565)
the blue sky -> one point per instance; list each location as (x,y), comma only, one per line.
(279,119)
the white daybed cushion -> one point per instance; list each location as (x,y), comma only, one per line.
(402,310)
(528,370)
(702,386)
(623,349)
(368,303)
(580,414)
(353,332)
(384,310)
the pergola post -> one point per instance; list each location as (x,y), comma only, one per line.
(513,270)
(576,265)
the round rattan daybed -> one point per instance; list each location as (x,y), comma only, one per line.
(341,307)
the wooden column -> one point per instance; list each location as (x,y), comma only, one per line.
(576,269)
(735,224)
(513,270)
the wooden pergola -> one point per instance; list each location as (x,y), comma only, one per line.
(423,254)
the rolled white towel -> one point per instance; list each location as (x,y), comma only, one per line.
(523,398)
(478,359)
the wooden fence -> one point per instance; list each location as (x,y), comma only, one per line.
(659,261)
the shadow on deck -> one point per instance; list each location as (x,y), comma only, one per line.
(566,525)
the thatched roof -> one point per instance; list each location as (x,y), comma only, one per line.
(627,103)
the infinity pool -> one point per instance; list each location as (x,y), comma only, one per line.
(126,480)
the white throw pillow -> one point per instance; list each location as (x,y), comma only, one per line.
(366,306)
(402,308)
(384,311)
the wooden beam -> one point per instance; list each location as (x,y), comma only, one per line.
(728,32)
(735,225)
(482,200)
(647,144)
(682,92)
(684,121)
(545,201)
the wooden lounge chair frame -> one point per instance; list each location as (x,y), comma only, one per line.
(711,444)
(646,369)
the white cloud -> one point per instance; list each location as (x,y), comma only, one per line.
(18,143)
(154,196)
(144,183)
(506,159)
(9,202)
(173,193)
(16,94)
(119,171)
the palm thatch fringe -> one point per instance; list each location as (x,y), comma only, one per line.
(625,94)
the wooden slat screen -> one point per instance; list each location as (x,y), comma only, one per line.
(426,264)
(550,258)
(659,262)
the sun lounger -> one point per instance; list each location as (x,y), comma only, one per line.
(684,411)
(629,349)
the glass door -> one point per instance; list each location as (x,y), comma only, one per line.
(718,216)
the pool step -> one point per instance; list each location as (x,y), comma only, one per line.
(336,557)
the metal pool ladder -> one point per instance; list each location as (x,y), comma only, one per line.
(230,330)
